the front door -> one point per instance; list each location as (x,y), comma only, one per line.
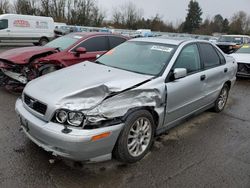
(94,46)
(185,95)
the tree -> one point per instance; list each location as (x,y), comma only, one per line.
(193,18)
(127,16)
(217,23)
(239,23)
(225,26)
(27,7)
(4,6)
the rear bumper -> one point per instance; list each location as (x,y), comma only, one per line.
(76,145)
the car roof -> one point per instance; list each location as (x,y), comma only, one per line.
(164,40)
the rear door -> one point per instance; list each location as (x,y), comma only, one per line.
(215,71)
(95,46)
(185,95)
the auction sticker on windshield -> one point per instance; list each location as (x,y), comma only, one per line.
(162,48)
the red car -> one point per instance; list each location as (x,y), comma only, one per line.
(20,65)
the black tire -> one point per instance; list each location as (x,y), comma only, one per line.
(222,98)
(121,151)
(43,41)
(47,69)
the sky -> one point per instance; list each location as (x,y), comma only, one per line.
(175,10)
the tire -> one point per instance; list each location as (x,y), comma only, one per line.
(43,41)
(36,43)
(221,101)
(47,69)
(136,138)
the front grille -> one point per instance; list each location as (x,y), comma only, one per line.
(243,68)
(35,104)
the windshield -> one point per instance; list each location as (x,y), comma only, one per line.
(237,40)
(3,24)
(244,49)
(64,42)
(140,57)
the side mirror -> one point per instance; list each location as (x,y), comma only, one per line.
(80,50)
(180,73)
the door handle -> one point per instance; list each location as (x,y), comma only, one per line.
(203,77)
(8,30)
(225,70)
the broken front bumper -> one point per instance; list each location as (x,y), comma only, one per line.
(15,76)
(76,145)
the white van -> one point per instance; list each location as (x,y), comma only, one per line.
(24,28)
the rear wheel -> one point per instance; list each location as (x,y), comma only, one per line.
(221,101)
(136,138)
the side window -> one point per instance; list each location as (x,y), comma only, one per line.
(3,24)
(209,56)
(115,41)
(94,44)
(222,58)
(189,58)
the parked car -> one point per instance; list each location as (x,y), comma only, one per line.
(115,106)
(18,66)
(26,29)
(142,33)
(231,43)
(242,57)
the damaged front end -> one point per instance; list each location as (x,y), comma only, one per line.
(103,107)
(14,76)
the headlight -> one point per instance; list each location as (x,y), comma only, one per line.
(61,116)
(75,118)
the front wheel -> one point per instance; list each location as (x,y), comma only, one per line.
(43,41)
(47,69)
(221,101)
(136,138)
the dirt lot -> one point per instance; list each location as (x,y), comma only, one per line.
(210,150)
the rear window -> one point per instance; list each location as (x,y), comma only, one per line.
(3,24)
(237,40)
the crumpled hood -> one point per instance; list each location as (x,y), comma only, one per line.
(81,86)
(241,58)
(21,55)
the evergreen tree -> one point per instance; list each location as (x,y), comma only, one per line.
(193,19)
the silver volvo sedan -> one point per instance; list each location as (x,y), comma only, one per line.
(118,104)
